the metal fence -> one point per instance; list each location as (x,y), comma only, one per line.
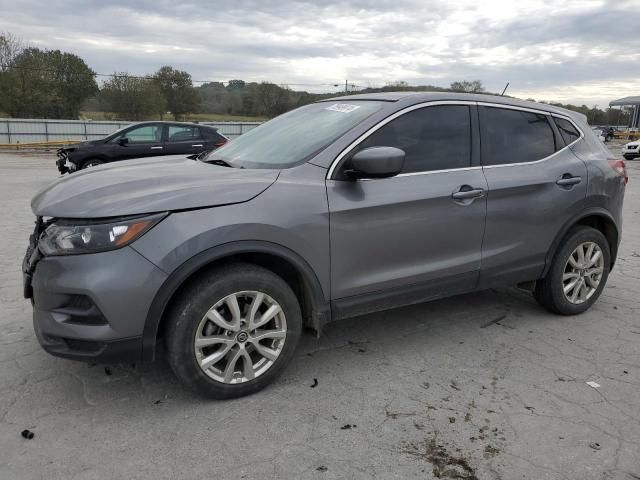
(16,131)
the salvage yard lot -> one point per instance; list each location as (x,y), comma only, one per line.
(486,386)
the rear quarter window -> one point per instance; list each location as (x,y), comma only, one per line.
(180,133)
(514,136)
(567,130)
(211,134)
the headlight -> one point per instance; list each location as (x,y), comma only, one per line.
(71,237)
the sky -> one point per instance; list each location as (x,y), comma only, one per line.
(573,51)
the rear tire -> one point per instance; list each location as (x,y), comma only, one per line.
(222,307)
(575,280)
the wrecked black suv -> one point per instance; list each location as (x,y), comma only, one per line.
(146,139)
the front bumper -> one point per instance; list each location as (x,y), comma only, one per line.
(64,164)
(93,307)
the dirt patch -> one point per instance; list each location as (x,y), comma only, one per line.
(445,464)
(490,451)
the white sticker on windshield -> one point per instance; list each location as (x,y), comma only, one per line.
(343,107)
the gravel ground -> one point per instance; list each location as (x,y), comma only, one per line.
(485,386)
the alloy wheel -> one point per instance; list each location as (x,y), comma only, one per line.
(240,337)
(583,272)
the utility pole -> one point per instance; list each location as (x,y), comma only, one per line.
(346,87)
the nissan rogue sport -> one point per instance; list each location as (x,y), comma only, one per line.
(339,208)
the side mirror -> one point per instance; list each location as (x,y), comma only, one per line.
(377,162)
(122,141)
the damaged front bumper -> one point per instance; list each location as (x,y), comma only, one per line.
(83,307)
(63,163)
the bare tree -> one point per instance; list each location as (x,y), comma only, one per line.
(10,48)
(474,86)
(398,84)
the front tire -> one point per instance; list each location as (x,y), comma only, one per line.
(92,162)
(232,331)
(578,273)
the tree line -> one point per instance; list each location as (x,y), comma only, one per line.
(40,83)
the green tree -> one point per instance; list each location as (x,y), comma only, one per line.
(46,83)
(474,86)
(214,98)
(10,48)
(271,99)
(235,84)
(132,98)
(177,88)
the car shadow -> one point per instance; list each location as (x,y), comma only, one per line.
(418,327)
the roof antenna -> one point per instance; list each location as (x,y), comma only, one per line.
(505,89)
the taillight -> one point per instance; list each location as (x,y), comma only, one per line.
(220,143)
(620,168)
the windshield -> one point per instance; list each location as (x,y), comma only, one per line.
(117,132)
(294,137)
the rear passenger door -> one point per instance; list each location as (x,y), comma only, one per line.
(184,139)
(415,236)
(536,185)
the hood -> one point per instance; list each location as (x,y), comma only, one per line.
(83,145)
(147,186)
(636,142)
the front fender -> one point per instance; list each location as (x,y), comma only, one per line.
(320,307)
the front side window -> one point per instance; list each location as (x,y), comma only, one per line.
(145,134)
(514,136)
(432,138)
(179,133)
(295,136)
(568,132)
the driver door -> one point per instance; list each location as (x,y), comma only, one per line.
(412,237)
(140,141)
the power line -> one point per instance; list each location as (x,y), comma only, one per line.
(150,77)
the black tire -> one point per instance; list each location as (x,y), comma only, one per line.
(92,162)
(549,290)
(194,302)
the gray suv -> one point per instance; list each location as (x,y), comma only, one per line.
(336,209)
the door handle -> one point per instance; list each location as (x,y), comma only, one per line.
(467,193)
(567,180)
(198,145)
(157,148)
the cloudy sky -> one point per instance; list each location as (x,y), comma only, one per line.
(571,51)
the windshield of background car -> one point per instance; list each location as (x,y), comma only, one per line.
(296,136)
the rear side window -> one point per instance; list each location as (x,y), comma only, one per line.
(514,136)
(433,138)
(179,133)
(569,133)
